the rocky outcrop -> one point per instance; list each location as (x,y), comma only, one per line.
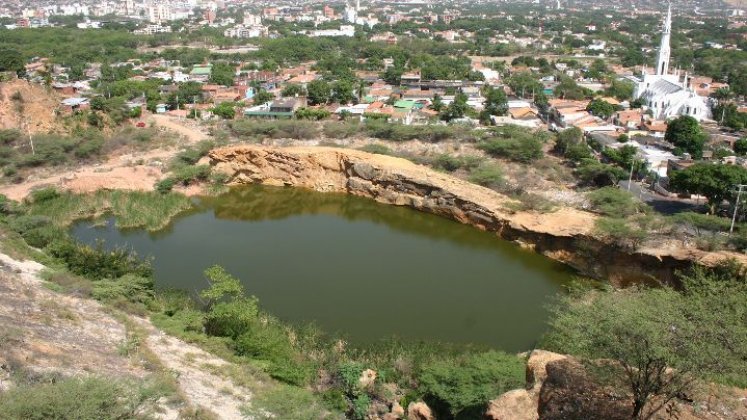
(561,387)
(419,411)
(565,235)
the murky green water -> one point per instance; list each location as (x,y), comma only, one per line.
(355,267)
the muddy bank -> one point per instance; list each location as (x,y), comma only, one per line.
(565,235)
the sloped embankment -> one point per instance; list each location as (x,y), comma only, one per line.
(565,235)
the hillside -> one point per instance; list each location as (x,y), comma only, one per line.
(28,106)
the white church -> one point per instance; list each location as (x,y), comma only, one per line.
(665,93)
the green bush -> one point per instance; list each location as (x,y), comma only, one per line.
(620,231)
(98,263)
(615,202)
(695,330)
(130,293)
(463,386)
(294,129)
(192,155)
(594,173)
(84,399)
(341,130)
(43,194)
(519,150)
(165,186)
(376,148)
(188,175)
(232,318)
(427,133)
(514,143)
(360,407)
(488,175)
(265,342)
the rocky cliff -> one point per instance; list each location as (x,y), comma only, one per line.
(565,235)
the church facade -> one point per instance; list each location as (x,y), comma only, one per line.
(665,93)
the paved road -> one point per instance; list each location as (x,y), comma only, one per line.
(660,203)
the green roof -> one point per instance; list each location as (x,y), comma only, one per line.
(404,104)
(201,70)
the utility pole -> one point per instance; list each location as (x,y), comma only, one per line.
(736,207)
(630,179)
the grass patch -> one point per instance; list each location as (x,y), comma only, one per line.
(75,398)
(132,209)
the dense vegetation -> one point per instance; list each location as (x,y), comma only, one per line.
(698,329)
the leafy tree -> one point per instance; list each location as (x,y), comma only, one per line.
(457,109)
(222,74)
(496,102)
(569,89)
(662,339)
(685,133)
(438,103)
(621,89)
(262,97)
(292,89)
(524,84)
(319,92)
(570,143)
(343,92)
(597,69)
(740,146)
(225,110)
(12,60)
(591,172)
(601,108)
(714,181)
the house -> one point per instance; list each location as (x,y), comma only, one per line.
(65,88)
(303,79)
(630,119)
(281,108)
(201,73)
(565,112)
(73,105)
(656,127)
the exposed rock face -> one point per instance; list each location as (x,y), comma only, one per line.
(565,235)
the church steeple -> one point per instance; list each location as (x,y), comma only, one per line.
(662,66)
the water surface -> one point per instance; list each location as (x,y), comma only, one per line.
(355,267)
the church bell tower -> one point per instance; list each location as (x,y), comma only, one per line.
(662,65)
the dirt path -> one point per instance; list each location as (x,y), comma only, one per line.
(201,387)
(133,171)
(45,331)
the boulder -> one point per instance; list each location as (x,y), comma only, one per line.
(518,404)
(397,410)
(419,411)
(537,367)
(367,379)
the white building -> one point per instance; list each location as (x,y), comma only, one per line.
(241,31)
(252,20)
(152,29)
(345,30)
(664,93)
